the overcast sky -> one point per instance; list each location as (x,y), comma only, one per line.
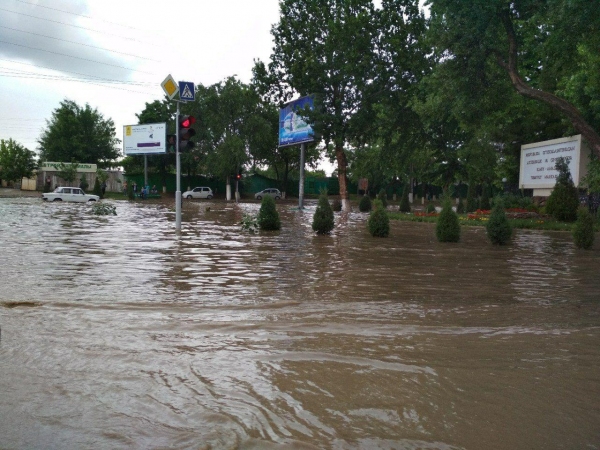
(56,49)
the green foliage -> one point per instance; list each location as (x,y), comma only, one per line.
(336,205)
(268,217)
(365,204)
(379,220)
(404,203)
(471,200)
(430,208)
(583,232)
(97,188)
(485,198)
(249,222)
(510,200)
(448,227)
(16,162)
(382,197)
(592,179)
(68,172)
(79,134)
(83,183)
(564,200)
(104,209)
(323,219)
(498,228)
(130,193)
(460,208)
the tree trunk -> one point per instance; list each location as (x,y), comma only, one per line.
(342,176)
(579,123)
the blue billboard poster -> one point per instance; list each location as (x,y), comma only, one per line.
(293,128)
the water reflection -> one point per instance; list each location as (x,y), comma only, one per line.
(118,333)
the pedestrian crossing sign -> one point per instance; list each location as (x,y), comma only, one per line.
(186,91)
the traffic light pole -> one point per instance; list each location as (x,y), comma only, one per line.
(178,191)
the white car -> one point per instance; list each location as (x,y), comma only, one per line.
(199,192)
(69,194)
(271,192)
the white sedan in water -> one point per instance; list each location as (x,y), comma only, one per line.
(69,194)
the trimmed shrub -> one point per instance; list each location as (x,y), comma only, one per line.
(460,207)
(447,228)
(485,198)
(404,203)
(323,219)
(268,217)
(336,205)
(471,200)
(564,200)
(498,228)
(379,221)
(97,189)
(583,232)
(430,208)
(365,204)
(383,197)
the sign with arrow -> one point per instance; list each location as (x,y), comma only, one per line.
(186,91)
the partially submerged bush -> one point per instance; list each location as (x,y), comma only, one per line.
(583,232)
(249,222)
(268,217)
(564,200)
(365,204)
(448,227)
(498,228)
(379,221)
(323,219)
(103,209)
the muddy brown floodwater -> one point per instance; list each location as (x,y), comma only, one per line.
(118,334)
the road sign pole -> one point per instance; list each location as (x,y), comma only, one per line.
(178,192)
(301,182)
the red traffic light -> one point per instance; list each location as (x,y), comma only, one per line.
(187,121)
(238,177)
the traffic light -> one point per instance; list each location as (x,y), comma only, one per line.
(238,176)
(171,141)
(186,132)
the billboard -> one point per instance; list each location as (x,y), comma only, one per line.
(293,128)
(145,139)
(538,161)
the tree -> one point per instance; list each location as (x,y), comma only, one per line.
(498,228)
(379,220)
(564,199)
(323,220)
(68,172)
(16,162)
(80,134)
(535,43)
(268,217)
(326,49)
(447,228)
(583,231)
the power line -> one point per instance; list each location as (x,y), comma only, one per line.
(10,71)
(76,57)
(76,73)
(79,15)
(69,25)
(79,43)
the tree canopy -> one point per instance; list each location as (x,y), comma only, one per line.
(16,162)
(81,134)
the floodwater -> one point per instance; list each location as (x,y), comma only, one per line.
(116,333)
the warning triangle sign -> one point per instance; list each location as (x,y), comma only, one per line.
(187,94)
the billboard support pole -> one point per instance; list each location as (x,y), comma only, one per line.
(178,177)
(301,182)
(145,170)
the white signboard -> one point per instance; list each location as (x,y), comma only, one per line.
(539,159)
(145,139)
(81,167)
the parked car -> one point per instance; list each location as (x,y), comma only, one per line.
(275,193)
(199,192)
(69,194)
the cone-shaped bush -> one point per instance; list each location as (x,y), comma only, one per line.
(97,189)
(460,207)
(379,221)
(564,200)
(583,232)
(383,197)
(498,228)
(365,204)
(448,227)
(268,217)
(404,203)
(323,218)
